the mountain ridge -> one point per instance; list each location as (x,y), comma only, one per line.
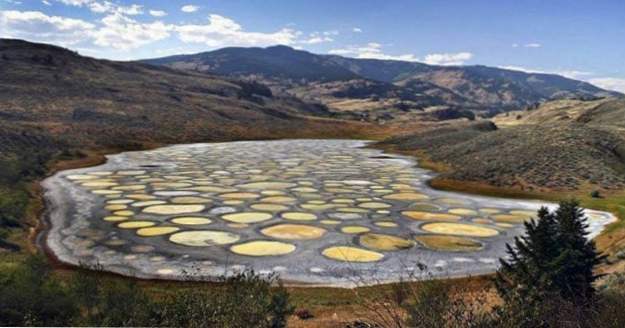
(482,88)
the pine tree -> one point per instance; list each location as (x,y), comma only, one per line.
(554,259)
(574,276)
(523,280)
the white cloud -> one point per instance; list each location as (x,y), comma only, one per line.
(101,7)
(46,2)
(448,58)
(319,37)
(189,8)
(222,31)
(37,26)
(356,30)
(124,33)
(527,45)
(609,83)
(570,73)
(158,13)
(371,50)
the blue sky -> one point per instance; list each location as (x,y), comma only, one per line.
(582,39)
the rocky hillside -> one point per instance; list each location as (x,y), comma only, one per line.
(560,145)
(51,91)
(477,88)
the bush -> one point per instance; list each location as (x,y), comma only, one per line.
(244,300)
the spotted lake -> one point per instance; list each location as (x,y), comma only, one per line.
(322,212)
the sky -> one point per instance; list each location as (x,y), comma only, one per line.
(581,39)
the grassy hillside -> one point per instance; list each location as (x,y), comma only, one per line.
(537,150)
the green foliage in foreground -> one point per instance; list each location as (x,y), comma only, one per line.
(31,295)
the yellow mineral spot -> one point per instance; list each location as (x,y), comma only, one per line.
(135,224)
(504,225)
(191,220)
(409,196)
(263,248)
(129,187)
(343,201)
(106,192)
(131,172)
(452,201)
(173,185)
(119,201)
(173,209)
(148,203)
(524,212)
(269,207)
(81,177)
(124,213)
(272,193)
(200,238)
(449,243)
(115,207)
(351,254)
(459,229)
(318,207)
(99,184)
(427,216)
(239,195)
(425,207)
(385,224)
(462,211)
(382,242)
(156,231)
(238,225)
(266,185)
(247,217)
(354,229)
(140,197)
(299,216)
(352,210)
(482,221)
(304,189)
(115,218)
(490,210)
(278,199)
(190,200)
(101,173)
(374,205)
(510,218)
(293,231)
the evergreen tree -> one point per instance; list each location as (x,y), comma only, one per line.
(573,269)
(553,260)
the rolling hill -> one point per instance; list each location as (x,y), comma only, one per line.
(559,145)
(50,91)
(477,88)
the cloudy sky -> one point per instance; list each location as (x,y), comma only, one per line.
(582,39)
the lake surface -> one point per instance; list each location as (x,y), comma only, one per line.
(322,212)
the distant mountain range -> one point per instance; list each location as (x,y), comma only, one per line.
(381,85)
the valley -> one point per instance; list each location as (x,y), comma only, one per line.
(465,134)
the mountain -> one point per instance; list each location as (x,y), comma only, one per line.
(477,88)
(49,95)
